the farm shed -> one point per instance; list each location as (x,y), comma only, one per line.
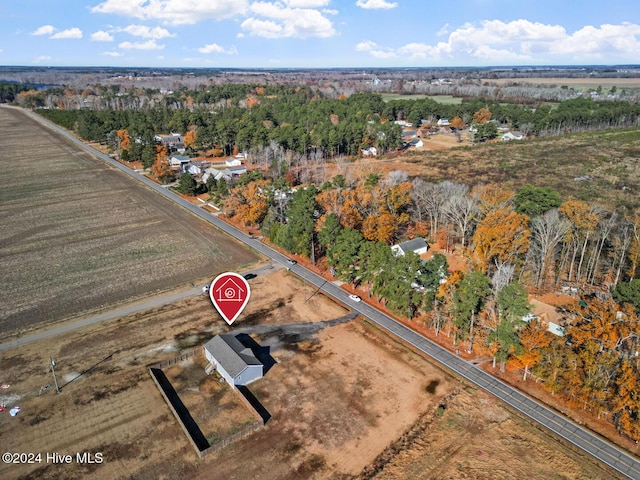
(235,362)
(417,245)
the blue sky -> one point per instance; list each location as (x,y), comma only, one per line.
(318,33)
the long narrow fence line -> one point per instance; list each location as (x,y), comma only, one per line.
(182,415)
(180,411)
(220,444)
(178,359)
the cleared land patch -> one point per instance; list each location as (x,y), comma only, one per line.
(338,397)
(444,99)
(598,167)
(578,82)
(77,234)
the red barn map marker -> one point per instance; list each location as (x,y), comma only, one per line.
(229,293)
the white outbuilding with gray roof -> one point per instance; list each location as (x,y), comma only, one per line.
(235,362)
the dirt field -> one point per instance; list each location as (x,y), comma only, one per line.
(213,405)
(340,393)
(77,234)
(473,437)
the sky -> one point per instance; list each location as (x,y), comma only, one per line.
(318,33)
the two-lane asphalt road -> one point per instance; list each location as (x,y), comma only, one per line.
(607,453)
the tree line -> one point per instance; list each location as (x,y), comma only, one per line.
(512,243)
(301,120)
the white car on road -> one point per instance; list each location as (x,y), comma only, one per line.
(355,298)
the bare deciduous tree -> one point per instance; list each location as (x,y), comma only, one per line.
(547,231)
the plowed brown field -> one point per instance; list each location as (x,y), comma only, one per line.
(77,235)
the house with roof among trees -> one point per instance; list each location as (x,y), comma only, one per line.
(417,245)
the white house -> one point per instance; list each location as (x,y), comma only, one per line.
(417,245)
(173,141)
(233,162)
(236,171)
(555,329)
(369,152)
(216,174)
(416,142)
(181,161)
(512,136)
(194,169)
(443,122)
(235,362)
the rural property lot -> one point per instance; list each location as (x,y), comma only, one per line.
(77,235)
(339,395)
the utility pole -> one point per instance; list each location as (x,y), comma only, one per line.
(53,370)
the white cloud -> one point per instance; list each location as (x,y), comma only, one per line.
(44,30)
(376,4)
(307,3)
(215,48)
(101,36)
(145,32)
(417,51)
(42,58)
(601,42)
(262,28)
(68,33)
(366,46)
(283,21)
(375,50)
(175,12)
(148,45)
(520,41)
(112,54)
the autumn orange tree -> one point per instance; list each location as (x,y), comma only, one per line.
(457,122)
(482,116)
(161,168)
(248,203)
(625,404)
(124,140)
(386,209)
(493,197)
(501,237)
(534,339)
(251,101)
(601,335)
(397,201)
(190,138)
